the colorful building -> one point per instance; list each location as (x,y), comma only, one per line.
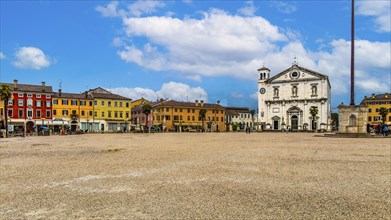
(185,116)
(73,112)
(373,105)
(111,112)
(139,119)
(29,107)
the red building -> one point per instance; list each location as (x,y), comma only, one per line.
(30,106)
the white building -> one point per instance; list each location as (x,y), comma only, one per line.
(284,100)
(241,117)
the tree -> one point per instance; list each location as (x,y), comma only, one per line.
(334,120)
(5,95)
(146,109)
(202,113)
(383,112)
(252,116)
(313,113)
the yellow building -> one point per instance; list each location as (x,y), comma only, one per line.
(111,111)
(172,115)
(138,102)
(73,111)
(373,104)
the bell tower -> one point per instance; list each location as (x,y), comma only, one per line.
(263,76)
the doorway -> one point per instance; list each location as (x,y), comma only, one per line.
(275,125)
(294,122)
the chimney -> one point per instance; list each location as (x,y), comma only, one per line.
(218,102)
(15,84)
(43,86)
(59,92)
(196,101)
(202,103)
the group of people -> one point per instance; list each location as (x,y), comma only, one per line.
(380,129)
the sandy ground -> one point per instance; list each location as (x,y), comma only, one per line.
(203,176)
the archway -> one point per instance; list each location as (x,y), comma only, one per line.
(29,127)
(294,122)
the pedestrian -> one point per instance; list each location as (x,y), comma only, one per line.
(385,130)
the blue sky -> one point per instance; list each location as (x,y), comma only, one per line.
(189,50)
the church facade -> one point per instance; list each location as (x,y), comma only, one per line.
(295,99)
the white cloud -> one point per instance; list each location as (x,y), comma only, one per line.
(171,90)
(31,58)
(217,44)
(2,56)
(137,9)
(145,6)
(110,10)
(236,95)
(380,10)
(284,7)
(248,10)
(187,1)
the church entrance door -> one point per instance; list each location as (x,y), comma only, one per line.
(294,122)
(275,125)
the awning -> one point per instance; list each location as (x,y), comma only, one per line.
(188,124)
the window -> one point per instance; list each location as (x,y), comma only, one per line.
(352,120)
(180,118)
(64,102)
(65,112)
(127,105)
(103,103)
(115,104)
(20,102)
(369,110)
(10,102)
(10,113)
(377,110)
(115,114)
(29,102)
(20,94)
(168,118)
(120,114)
(377,118)
(39,96)
(20,113)
(192,118)
(48,104)
(180,110)
(55,102)
(109,114)
(30,113)
(30,95)
(193,110)
(188,110)
(188,118)
(90,113)
(95,114)
(176,110)
(90,103)
(48,114)
(73,102)
(120,104)
(38,113)
(48,96)
(127,114)
(38,103)
(82,113)
(95,103)
(176,118)
(222,118)
(83,103)
(54,112)
(369,118)
(109,103)
(73,112)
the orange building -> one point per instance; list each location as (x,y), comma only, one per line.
(177,116)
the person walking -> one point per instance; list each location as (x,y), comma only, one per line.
(385,130)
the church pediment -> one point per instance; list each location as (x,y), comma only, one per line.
(296,73)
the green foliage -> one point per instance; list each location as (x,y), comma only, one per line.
(313,111)
(5,95)
(383,112)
